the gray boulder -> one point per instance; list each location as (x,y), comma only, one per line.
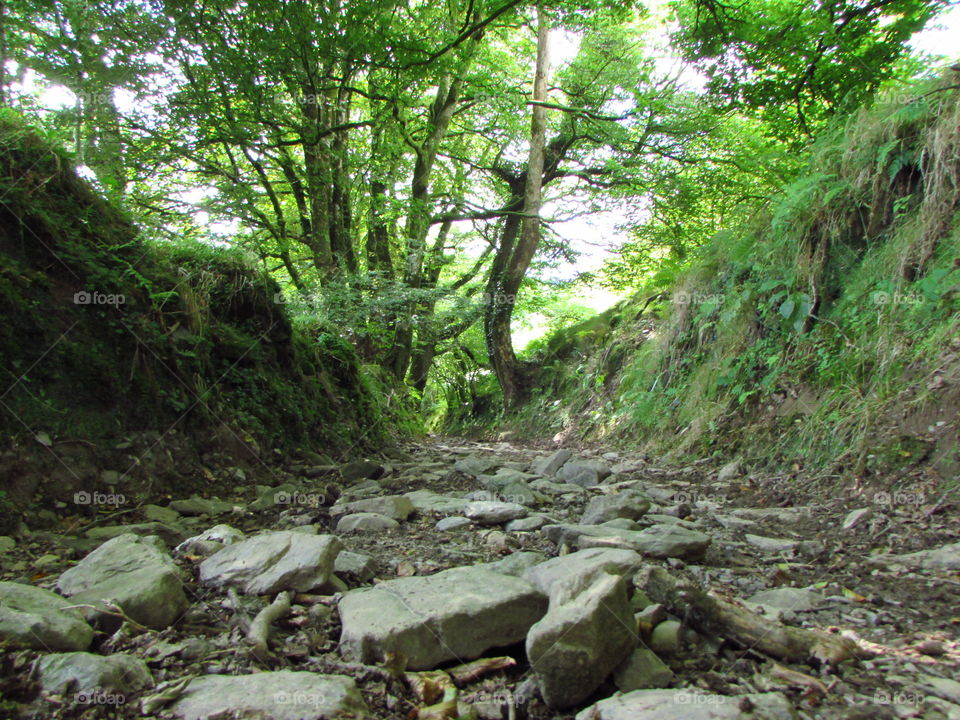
(772,544)
(135,573)
(583,637)
(365,522)
(450,524)
(527,524)
(548,465)
(582,567)
(729,472)
(475,464)
(494,513)
(272,562)
(357,565)
(281,695)
(455,614)
(86,674)
(397,507)
(629,504)
(361,470)
(210,541)
(34,618)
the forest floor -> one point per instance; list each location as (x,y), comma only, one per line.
(876,572)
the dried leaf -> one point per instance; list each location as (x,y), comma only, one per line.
(853,595)
(429,686)
(471,671)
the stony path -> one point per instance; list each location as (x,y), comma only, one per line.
(463,580)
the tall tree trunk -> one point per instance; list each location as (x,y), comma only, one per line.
(3,53)
(506,280)
(418,218)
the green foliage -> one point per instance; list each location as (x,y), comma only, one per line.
(797,64)
(193,338)
(802,327)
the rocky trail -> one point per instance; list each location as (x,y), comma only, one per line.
(455,579)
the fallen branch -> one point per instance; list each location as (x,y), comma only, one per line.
(744,627)
(259,630)
(114,610)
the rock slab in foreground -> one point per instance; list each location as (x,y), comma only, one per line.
(455,614)
(136,573)
(283,695)
(274,561)
(689,705)
(581,640)
(33,617)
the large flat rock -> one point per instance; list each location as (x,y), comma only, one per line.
(944,558)
(135,573)
(427,501)
(457,614)
(33,617)
(272,562)
(687,704)
(282,695)
(658,541)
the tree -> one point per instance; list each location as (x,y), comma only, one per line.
(517,248)
(796,63)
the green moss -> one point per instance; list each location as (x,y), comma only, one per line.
(198,340)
